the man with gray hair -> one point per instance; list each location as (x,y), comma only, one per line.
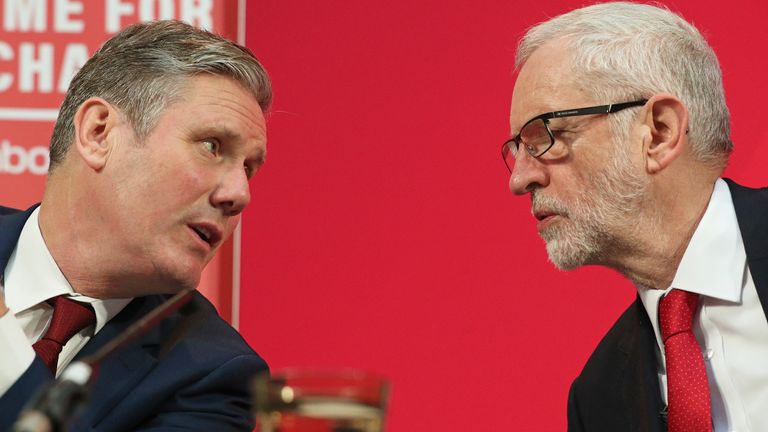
(620,136)
(151,157)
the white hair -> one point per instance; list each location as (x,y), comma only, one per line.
(624,51)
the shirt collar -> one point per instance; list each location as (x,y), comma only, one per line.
(713,263)
(32,277)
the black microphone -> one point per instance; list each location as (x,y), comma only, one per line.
(61,400)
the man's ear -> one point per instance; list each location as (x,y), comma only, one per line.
(667,121)
(94,120)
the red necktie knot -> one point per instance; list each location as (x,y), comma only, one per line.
(69,318)
(676,311)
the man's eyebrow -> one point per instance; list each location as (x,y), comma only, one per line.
(217,131)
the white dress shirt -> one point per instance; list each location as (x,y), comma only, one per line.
(31,277)
(730,324)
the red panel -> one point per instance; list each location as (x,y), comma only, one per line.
(382,234)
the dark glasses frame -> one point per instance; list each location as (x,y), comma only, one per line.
(506,148)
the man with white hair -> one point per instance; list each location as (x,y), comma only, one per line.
(620,134)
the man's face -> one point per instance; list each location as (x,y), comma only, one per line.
(586,188)
(178,194)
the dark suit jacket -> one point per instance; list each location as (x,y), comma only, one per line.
(191,372)
(618,390)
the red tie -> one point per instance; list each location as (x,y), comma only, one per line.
(69,317)
(687,387)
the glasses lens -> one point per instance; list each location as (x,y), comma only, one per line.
(508,151)
(535,137)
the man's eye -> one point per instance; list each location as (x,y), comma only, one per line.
(212,146)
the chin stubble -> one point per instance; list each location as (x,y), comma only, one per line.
(601,220)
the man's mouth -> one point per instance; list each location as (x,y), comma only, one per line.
(203,233)
(541,215)
(208,233)
(545,218)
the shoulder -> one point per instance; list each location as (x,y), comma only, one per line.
(8,210)
(198,328)
(4,211)
(747,195)
(11,223)
(199,376)
(751,206)
(745,189)
(12,219)
(193,341)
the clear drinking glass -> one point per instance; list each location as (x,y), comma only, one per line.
(301,400)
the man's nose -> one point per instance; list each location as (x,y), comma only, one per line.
(233,193)
(528,173)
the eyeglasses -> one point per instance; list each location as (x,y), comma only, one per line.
(536,137)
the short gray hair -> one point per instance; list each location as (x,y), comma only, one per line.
(142,70)
(624,51)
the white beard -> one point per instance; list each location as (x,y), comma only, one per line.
(601,219)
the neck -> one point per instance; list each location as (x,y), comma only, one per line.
(83,248)
(63,225)
(652,251)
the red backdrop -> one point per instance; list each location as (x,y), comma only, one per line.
(382,234)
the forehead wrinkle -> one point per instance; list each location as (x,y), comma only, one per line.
(227,93)
(223,126)
(228,105)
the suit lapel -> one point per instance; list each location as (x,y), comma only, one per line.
(120,372)
(751,207)
(641,381)
(618,390)
(637,378)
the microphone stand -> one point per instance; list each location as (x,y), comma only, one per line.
(61,400)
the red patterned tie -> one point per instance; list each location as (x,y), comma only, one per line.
(69,317)
(687,387)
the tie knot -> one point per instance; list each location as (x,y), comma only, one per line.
(676,311)
(69,317)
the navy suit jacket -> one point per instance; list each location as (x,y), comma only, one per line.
(191,372)
(618,390)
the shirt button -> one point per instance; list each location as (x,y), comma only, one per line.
(708,354)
